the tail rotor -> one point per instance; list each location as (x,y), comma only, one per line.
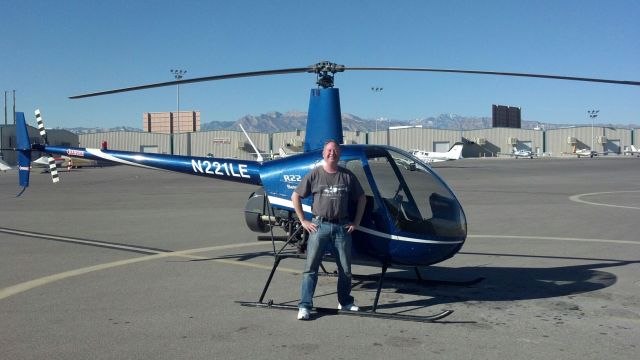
(53,169)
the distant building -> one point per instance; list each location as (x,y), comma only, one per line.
(506,116)
(171,122)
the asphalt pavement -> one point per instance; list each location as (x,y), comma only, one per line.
(127,263)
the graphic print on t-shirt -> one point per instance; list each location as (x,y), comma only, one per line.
(334,191)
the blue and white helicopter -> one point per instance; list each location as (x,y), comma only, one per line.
(412,217)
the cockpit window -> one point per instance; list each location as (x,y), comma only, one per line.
(356,168)
(417,201)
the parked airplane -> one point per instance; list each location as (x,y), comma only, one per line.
(43,162)
(64,161)
(585,152)
(4,166)
(522,153)
(454,153)
(285,151)
(633,151)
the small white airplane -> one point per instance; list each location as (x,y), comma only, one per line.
(63,162)
(585,152)
(633,151)
(4,166)
(522,153)
(454,153)
(285,151)
(43,162)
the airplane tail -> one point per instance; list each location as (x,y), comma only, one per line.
(282,152)
(455,152)
(23,149)
(634,149)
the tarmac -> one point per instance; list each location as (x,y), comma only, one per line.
(127,263)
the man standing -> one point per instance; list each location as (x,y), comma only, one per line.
(332,188)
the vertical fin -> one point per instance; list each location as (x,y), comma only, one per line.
(24,150)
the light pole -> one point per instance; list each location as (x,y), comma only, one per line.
(14,107)
(5,107)
(593,114)
(178,74)
(376,90)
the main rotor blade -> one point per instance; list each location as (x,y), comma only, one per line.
(201,79)
(558,77)
(322,67)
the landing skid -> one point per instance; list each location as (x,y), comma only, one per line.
(292,239)
(380,279)
(370,314)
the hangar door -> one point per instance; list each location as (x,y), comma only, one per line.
(441,146)
(612,146)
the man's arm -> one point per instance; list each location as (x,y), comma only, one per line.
(362,201)
(297,206)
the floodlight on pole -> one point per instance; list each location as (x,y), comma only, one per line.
(376,89)
(177,74)
(593,114)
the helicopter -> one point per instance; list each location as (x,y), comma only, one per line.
(412,217)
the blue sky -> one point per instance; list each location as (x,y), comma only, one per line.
(54,49)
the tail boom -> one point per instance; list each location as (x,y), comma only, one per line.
(224,169)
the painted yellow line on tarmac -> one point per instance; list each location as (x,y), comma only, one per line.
(578,198)
(28,285)
(553,238)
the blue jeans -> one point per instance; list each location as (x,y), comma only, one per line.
(328,234)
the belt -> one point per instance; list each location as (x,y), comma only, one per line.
(333,221)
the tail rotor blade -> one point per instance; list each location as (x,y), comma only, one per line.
(53,169)
(43,132)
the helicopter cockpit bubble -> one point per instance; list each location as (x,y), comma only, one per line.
(409,207)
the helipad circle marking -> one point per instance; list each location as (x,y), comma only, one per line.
(577,198)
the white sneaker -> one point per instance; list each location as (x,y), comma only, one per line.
(303,314)
(350,307)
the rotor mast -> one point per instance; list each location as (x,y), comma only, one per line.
(324,119)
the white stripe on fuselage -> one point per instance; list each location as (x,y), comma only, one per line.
(307,209)
(100,154)
(288,203)
(405,238)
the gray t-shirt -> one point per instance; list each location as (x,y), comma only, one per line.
(331,192)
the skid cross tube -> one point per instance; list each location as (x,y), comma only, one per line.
(326,311)
(280,255)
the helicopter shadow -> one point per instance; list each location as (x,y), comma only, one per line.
(238,257)
(500,283)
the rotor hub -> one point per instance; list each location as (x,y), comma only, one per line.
(325,71)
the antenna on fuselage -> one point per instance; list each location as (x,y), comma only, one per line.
(260,159)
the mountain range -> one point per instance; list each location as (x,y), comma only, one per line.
(292,120)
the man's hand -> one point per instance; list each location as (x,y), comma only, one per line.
(351,227)
(309,226)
